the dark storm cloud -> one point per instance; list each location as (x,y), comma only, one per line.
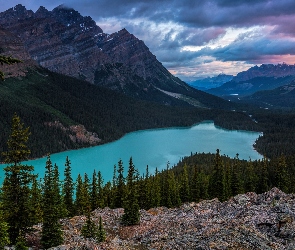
(167,26)
(190,37)
(251,50)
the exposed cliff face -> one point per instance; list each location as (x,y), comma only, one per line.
(64,41)
(11,45)
(60,40)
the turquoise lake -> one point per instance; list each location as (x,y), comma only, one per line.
(154,148)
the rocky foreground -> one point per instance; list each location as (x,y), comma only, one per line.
(247,221)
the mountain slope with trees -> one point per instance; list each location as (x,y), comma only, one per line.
(53,104)
(65,42)
(281,97)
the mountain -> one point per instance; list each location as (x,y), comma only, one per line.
(250,86)
(266,70)
(211,82)
(65,42)
(281,97)
(265,77)
(11,45)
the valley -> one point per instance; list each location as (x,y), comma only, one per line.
(104,148)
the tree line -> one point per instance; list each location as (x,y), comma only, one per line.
(27,200)
(43,96)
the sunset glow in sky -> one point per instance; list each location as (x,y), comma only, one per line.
(196,38)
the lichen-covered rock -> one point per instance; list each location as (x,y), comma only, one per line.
(248,221)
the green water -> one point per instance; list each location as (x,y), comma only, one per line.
(154,148)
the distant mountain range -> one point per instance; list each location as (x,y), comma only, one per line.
(211,82)
(250,86)
(254,83)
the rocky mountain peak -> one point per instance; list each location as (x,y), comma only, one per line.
(42,12)
(64,41)
(19,12)
(266,70)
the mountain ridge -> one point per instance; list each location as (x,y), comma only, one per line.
(65,42)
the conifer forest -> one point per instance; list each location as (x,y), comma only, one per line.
(28,199)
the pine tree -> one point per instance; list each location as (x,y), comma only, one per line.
(68,189)
(251,179)
(184,186)
(263,178)
(100,189)
(166,189)
(174,189)
(282,178)
(94,192)
(101,236)
(196,185)
(51,229)
(35,203)
(204,185)
(62,211)
(108,195)
(216,179)
(18,178)
(120,186)
(131,214)
(236,180)
(226,181)
(83,202)
(156,190)
(90,230)
(4,236)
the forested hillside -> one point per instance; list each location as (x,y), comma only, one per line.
(42,98)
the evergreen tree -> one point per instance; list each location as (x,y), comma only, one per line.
(83,203)
(35,203)
(68,189)
(131,214)
(226,181)
(174,189)
(196,185)
(263,178)
(251,179)
(108,194)
(100,196)
(94,192)
(51,229)
(101,236)
(120,186)
(18,178)
(166,189)
(4,236)
(156,190)
(90,230)
(62,211)
(237,181)
(184,186)
(282,178)
(204,185)
(216,180)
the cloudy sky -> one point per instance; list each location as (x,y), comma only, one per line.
(196,38)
